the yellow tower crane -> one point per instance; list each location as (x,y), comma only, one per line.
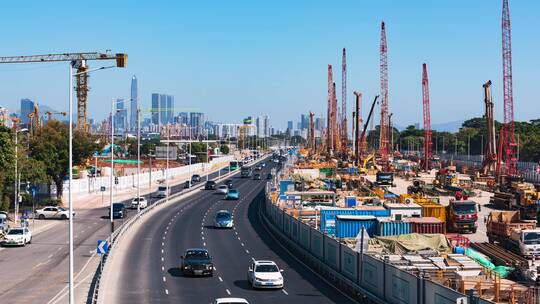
(79,62)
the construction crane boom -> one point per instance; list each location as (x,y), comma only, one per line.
(383,131)
(428,152)
(490,150)
(329,123)
(78,61)
(357,127)
(363,136)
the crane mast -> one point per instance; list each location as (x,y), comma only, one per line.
(344,103)
(490,150)
(330,115)
(383,131)
(510,145)
(428,145)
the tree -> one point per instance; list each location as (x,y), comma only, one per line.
(7,162)
(224,149)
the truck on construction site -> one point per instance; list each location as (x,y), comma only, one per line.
(449,181)
(518,195)
(385,179)
(462,214)
(511,232)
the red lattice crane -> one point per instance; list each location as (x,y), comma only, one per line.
(331,128)
(510,145)
(428,145)
(383,135)
(344,103)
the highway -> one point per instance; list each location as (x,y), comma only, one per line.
(149,272)
(38,272)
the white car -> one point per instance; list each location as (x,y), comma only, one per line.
(52,212)
(264,274)
(231,301)
(18,237)
(135,202)
(223,189)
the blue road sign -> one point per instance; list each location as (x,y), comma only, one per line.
(102,189)
(102,247)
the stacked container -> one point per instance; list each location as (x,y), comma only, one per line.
(328,215)
(388,227)
(427,225)
(348,226)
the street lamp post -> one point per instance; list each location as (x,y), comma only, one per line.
(138,160)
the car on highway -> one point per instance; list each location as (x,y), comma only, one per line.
(223,189)
(197,261)
(229,183)
(17,237)
(136,202)
(269,176)
(230,301)
(52,212)
(257,176)
(162,191)
(223,219)
(119,211)
(195,178)
(264,274)
(232,194)
(263,164)
(258,168)
(4,225)
(210,185)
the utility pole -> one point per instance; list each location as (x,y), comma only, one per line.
(138,160)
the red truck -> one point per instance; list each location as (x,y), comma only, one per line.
(461,216)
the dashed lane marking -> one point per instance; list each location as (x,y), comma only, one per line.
(166,291)
(220,279)
(285,292)
(228,292)
(164,279)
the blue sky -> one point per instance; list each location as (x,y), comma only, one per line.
(236,58)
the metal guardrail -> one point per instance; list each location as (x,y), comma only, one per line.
(116,236)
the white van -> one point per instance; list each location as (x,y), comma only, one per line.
(162,191)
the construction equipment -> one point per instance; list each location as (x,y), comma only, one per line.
(50,114)
(331,114)
(35,122)
(383,130)
(311,133)
(461,216)
(363,136)
(79,62)
(510,146)
(428,144)
(512,233)
(357,122)
(344,104)
(517,195)
(490,150)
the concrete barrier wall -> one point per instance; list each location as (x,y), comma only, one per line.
(331,252)
(287,225)
(349,263)
(317,244)
(438,294)
(401,286)
(304,236)
(294,230)
(372,275)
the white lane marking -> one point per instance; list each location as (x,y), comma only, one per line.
(166,291)
(165,231)
(285,292)
(203,238)
(228,292)
(242,244)
(220,279)
(204,244)
(239,238)
(163,237)
(162,244)
(164,279)
(50,256)
(162,259)
(161,251)
(162,268)
(247,251)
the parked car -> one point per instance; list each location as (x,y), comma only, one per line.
(223,189)
(223,219)
(264,274)
(163,191)
(139,201)
(210,185)
(195,178)
(231,301)
(257,176)
(18,237)
(4,225)
(119,210)
(52,212)
(232,194)
(197,262)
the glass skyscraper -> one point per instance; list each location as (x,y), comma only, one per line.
(27,107)
(133,105)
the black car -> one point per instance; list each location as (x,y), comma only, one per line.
(196,178)
(269,176)
(119,210)
(187,184)
(210,185)
(257,176)
(229,183)
(197,262)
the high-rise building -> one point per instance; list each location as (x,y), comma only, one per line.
(134,104)
(183,118)
(120,117)
(290,125)
(196,121)
(162,109)
(27,107)
(319,123)
(304,122)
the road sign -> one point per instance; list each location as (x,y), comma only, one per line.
(102,247)
(102,189)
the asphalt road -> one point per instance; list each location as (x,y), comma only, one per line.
(150,273)
(38,272)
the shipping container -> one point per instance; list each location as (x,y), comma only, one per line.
(401,211)
(285,186)
(328,215)
(434,210)
(348,226)
(388,227)
(428,225)
(350,201)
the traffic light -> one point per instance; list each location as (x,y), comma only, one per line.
(121,60)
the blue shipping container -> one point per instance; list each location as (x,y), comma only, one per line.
(350,201)
(328,216)
(388,228)
(348,226)
(285,185)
